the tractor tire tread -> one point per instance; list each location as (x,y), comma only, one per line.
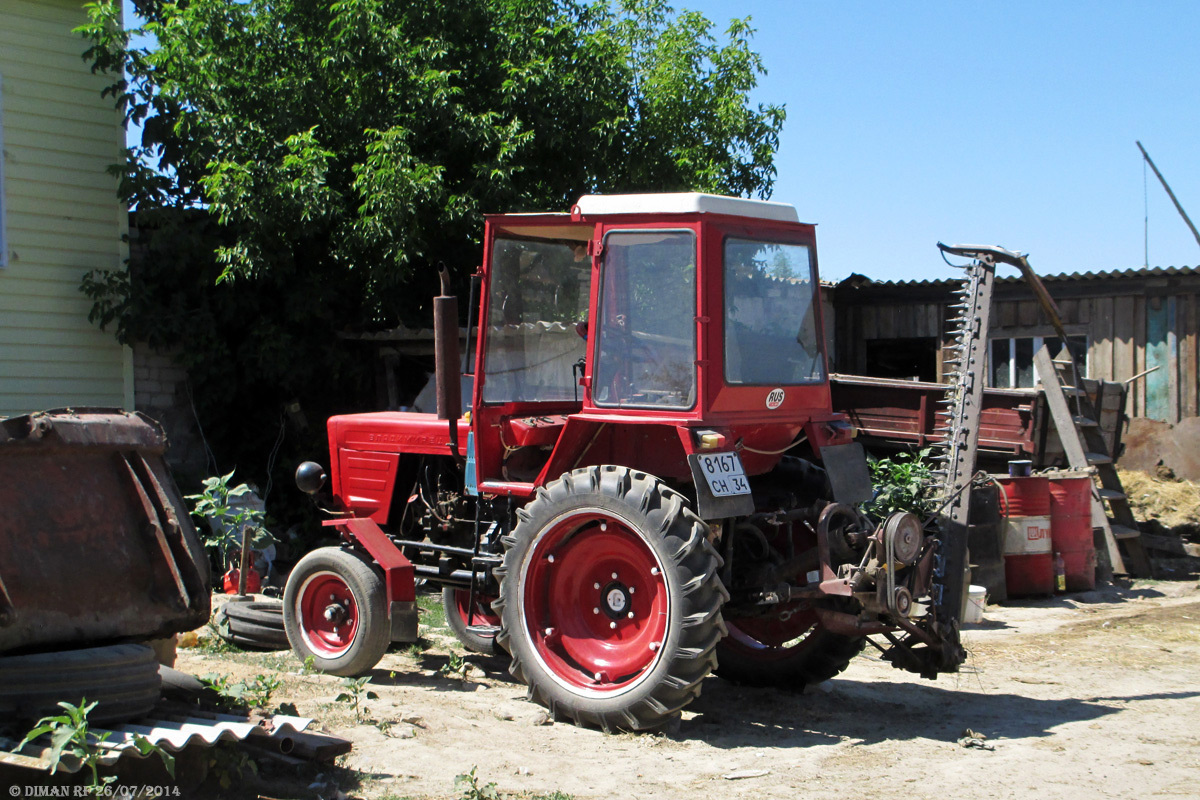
(684,538)
(122,679)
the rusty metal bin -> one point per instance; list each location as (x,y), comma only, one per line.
(96,544)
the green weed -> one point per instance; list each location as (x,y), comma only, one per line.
(70,734)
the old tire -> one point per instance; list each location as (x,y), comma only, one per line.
(609,599)
(122,679)
(791,653)
(335,610)
(254,625)
(458,617)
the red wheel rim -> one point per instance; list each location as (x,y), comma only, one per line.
(482,614)
(328,614)
(771,638)
(595,603)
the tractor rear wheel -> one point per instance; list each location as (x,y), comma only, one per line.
(335,610)
(461,619)
(792,652)
(609,599)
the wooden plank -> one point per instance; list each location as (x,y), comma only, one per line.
(1157,383)
(1068,311)
(1139,356)
(870,322)
(1085,313)
(860,340)
(1189,377)
(1101,341)
(1172,360)
(1123,346)
(885,322)
(1008,313)
(1028,313)
(933,321)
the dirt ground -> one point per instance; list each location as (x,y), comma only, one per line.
(1091,694)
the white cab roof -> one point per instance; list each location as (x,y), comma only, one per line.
(685,203)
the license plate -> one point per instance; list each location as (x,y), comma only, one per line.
(724,474)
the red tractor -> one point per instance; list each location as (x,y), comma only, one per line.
(648,483)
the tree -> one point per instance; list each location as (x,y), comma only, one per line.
(342,149)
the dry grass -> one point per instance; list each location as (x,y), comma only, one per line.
(1173,503)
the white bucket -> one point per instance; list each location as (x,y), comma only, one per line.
(976,600)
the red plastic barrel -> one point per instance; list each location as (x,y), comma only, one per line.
(1071,530)
(1028,557)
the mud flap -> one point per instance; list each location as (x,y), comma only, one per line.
(403,614)
(846,465)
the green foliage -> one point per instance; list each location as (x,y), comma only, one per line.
(468,787)
(900,484)
(70,734)
(243,694)
(455,666)
(304,165)
(217,506)
(228,764)
(356,694)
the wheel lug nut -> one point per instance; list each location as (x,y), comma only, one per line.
(603,526)
(595,611)
(630,615)
(599,677)
(654,570)
(550,558)
(595,586)
(614,576)
(632,590)
(612,624)
(549,631)
(655,645)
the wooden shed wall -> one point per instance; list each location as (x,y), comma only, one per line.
(1133,329)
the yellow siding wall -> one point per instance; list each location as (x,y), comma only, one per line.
(63,217)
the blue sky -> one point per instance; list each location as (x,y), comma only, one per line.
(987,123)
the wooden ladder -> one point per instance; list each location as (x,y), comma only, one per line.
(1077,418)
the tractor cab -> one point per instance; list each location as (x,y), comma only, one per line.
(641,329)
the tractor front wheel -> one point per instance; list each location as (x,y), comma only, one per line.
(335,611)
(609,599)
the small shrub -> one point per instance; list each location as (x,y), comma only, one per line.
(901,484)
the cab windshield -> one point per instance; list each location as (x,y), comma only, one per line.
(771,335)
(646,356)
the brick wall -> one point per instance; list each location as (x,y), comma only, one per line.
(161,392)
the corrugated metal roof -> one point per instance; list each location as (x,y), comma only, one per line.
(1140,272)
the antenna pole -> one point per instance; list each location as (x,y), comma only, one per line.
(1170,194)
